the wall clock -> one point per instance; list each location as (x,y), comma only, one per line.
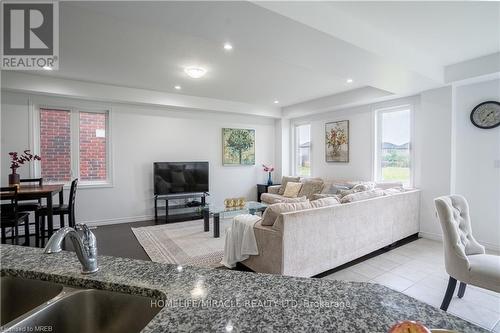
(486,115)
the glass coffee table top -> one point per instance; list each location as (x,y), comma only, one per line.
(250,207)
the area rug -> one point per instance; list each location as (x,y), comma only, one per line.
(183,243)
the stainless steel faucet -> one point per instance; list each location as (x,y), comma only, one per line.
(85,246)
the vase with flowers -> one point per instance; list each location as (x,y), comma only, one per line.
(269,169)
(16,160)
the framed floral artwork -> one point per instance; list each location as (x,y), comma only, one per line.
(337,141)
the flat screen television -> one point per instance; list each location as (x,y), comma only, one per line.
(180,177)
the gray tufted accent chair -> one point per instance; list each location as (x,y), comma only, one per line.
(465,258)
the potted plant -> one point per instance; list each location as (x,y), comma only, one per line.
(269,169)
(16,160)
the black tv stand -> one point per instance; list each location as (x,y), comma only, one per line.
(195,213)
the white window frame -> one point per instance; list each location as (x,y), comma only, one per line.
(377,176)
(296,148)
(75,141)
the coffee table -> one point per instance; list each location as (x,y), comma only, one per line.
(251,207)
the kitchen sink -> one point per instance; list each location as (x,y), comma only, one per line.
(19,296)
(85,310)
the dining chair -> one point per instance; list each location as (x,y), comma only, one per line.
(12,218)
(465,259)
(61,210)
(30,206)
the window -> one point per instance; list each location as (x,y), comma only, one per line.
(74,143)
(394,145)
(303,150)
(93,146)
(55,145)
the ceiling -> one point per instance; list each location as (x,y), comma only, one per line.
(286,51)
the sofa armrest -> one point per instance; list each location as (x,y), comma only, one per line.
(269,244)
(273,189)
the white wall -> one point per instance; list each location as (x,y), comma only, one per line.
(477,161)
(360,146)
(142,135)
(433,125)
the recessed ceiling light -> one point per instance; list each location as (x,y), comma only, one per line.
(47,68)
(195,72)
(349,81)
(276,102)
(178,87)
(228,47)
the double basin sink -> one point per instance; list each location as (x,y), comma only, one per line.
(40,306)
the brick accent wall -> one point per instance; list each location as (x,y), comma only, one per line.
(93,146)
(55,145)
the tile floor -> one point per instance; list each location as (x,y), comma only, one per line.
(417,270)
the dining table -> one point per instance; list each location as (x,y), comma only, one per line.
(36,192)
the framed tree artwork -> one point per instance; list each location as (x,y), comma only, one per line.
(337,141)
(238,146)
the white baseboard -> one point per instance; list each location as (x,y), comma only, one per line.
(119,220)
(431,236)
(438,237)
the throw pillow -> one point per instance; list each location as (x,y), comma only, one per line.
(365,186)
(324,202)
(310,187)
(273,211)
(361,187)
(292,189)
(343,193)
(284,181)
(332,187)
(318,196)
(362,196)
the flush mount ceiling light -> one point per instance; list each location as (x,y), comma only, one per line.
(195,72)
(276,102)
(177,87)
(228,47)
(349,80)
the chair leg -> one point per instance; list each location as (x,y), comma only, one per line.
(4,235)
(450,290)
(37,230)
(461,289)
(15,234)
(61,221)
(26,231)
(42,228)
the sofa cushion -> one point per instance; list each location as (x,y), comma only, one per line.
(271,198)
(394,190)
(310,187)
(325,202)
(285,180)
(273,211)
(292,190)
(318,196)
(358,196)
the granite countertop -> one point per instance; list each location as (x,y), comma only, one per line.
(249,302)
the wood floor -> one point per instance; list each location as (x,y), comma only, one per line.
(118,240)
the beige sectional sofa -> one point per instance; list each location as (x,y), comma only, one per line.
(308,242)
